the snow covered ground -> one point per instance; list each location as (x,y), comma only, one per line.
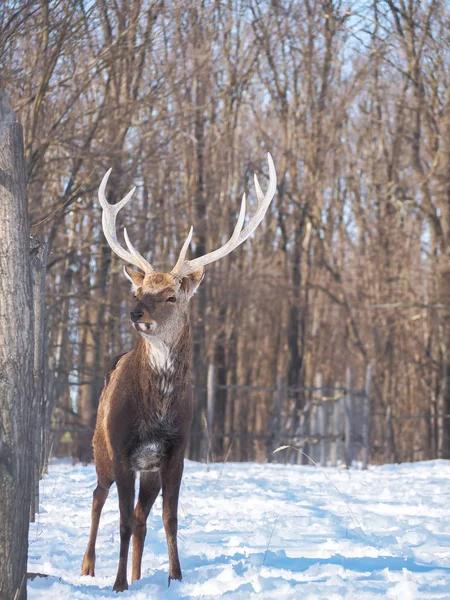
(260,531)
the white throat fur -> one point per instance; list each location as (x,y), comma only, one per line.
(159,353)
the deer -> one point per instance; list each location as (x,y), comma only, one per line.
(145,409)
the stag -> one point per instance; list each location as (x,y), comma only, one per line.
(145,409)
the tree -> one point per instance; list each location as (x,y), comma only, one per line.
(182,100)
(17,402)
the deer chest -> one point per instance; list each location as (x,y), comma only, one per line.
(156,428)
(152,442)
(147,456)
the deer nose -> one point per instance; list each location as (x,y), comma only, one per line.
(136,315)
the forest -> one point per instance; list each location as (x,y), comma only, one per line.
(351,265)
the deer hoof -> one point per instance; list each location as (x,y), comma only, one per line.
(87,567)
(177,576)
(120,586)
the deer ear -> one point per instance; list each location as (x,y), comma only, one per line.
(134,277)
(190,283)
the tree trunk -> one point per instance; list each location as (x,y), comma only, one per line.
(199,329)
(443,194)
(221,393)
(38,271)
(16,361)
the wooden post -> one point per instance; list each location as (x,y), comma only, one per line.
(17,416)
(324,412)
(336,430)
(210,395)
(275,420)
(366,417)
(305,432)
(348,415)
(389,434)
(299,421)
(323,422)
(210,401)
(314,450)
(434,411)
(339,414)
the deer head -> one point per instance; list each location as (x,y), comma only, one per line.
(161,299)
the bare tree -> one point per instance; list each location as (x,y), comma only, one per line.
(17,404)
(177,98)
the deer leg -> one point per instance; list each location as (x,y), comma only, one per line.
(171,473)
(125,487)
(149,487)
(100,494)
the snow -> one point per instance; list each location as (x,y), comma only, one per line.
(260,531)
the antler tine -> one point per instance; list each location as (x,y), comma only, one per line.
(139,260)
(109,215)
(264,200)
(183,251)
(259,192)
(183,268)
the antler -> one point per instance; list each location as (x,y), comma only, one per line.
(184,267)
(109,215)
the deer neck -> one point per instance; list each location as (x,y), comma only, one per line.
(166,351)
(159,354)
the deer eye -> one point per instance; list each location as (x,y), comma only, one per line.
(171,299)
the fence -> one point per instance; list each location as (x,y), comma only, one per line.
(425,432)
(331,427)
(318,424)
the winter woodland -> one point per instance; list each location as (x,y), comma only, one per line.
(326,333)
